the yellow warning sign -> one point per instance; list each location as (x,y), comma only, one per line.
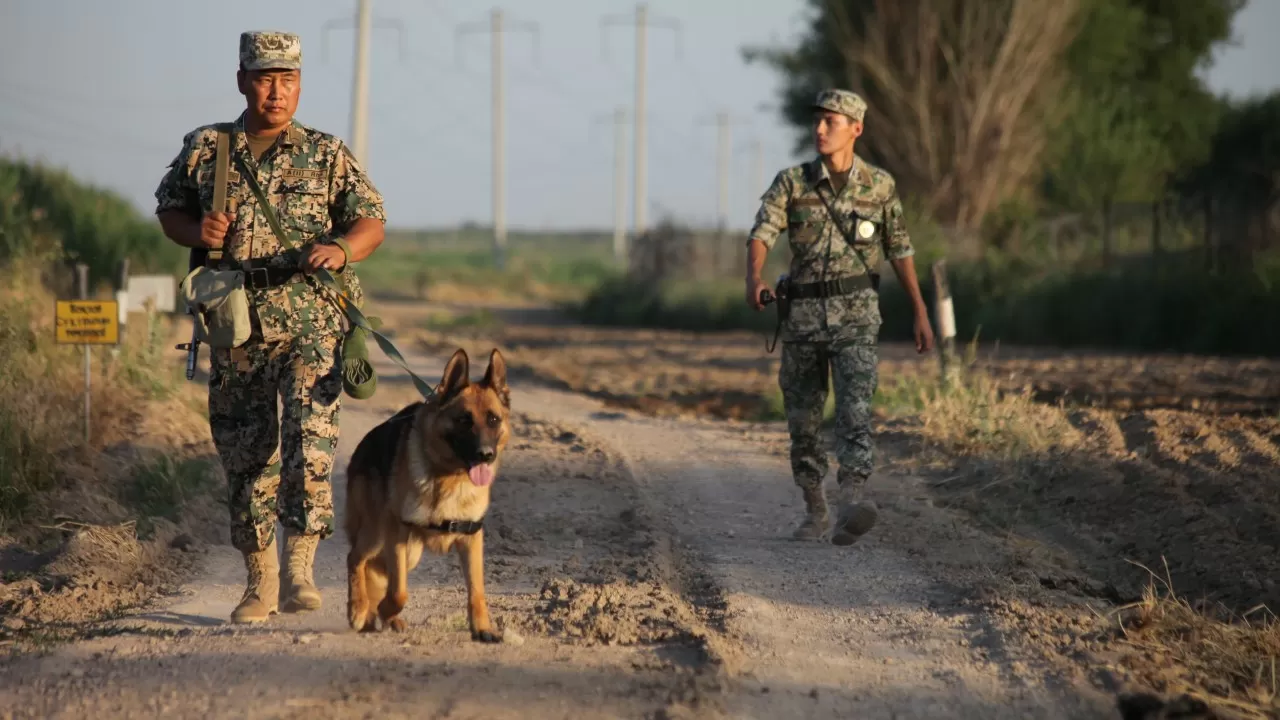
(88,322)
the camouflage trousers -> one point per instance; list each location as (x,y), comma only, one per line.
(802,378)
(278,464)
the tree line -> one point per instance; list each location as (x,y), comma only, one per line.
(994,112)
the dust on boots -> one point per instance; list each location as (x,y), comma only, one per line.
(271,589)
(855,519)
(298,591)
(814,525)
(261,594)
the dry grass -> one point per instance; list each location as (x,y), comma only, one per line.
(1203,652)
(138,411)
(93,524)
(975,418)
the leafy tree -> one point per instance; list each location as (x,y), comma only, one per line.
(89,224)
(958,91)
(970,102)
(1240,179)
(1105,154)
(1135,62)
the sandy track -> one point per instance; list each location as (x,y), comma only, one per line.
(666,538)
(814,630)
(565,516)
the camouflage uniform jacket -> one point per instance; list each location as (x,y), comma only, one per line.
(317,190)
(819,248)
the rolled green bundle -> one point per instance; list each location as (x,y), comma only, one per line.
(359,379)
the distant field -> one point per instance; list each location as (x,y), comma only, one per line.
(460,265)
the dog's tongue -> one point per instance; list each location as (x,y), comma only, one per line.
(481,474)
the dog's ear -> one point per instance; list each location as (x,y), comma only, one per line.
(496,377)
(456,376)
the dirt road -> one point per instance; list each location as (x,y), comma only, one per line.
(641,567)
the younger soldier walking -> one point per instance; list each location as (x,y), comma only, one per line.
(843,217)
(330,214)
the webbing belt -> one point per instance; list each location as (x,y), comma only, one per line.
(834,287)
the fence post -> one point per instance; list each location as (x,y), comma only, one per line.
(944,311)
(122,303)
(82,292)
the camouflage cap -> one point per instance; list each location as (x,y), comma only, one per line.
(267,50)
(843,102)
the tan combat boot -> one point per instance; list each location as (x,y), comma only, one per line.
(260,598)
(855,518)
(298,591)
(814,525)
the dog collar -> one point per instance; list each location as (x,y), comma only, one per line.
(461,527)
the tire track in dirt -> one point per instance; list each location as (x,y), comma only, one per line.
(578,577)
(1146,485)
(809,629)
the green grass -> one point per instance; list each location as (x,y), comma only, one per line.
(481,319)
(673,305)
(1133,306)
(537,266)
(40,205)
(897,397)
(161,487)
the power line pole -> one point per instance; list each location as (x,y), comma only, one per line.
(641,21)
(757,167)
(497,26)
(723,122)
(364,22)
(619,120)
(360,91)
(757,183)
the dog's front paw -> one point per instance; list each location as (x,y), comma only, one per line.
(397,624)
(361,620)
(486,636)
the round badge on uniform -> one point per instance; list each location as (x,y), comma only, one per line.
(866,229)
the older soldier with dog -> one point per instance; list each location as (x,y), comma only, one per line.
(843,217)
(276,204)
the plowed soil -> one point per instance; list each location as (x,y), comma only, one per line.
(639,558)
(726,375)
(1167,480)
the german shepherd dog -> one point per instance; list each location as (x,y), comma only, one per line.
(421,480)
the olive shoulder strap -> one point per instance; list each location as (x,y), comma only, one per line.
(326,278)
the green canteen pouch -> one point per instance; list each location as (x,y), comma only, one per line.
(220,306)
(359,378)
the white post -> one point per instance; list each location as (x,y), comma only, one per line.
(945,314)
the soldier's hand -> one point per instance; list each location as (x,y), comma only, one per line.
(924,334)
(329,257)
(755,286)
(213,229)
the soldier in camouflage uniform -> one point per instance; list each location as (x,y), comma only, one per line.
(277,466)
(833,320)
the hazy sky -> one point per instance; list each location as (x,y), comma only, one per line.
(107,89)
